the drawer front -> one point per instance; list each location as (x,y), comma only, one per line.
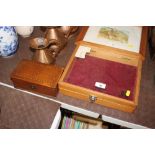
(34,87)
(93,98)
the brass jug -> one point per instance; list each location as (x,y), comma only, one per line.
(68,31)
(53,34)
(42,53)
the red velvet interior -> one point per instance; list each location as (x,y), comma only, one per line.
(118,77)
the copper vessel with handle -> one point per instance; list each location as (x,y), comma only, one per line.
(68,31)
(42,53)
(53,34)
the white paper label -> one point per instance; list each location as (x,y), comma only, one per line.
(100,85)
(81,52)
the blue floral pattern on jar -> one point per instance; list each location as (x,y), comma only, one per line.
(8,41)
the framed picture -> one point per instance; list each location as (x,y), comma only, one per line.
(122,37)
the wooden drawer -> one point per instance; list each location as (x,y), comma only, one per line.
(66,119)
(33,87)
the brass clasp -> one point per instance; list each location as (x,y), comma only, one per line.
(92,98)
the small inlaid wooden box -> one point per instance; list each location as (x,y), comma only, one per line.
(37,77)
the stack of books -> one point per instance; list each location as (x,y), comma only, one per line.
(71,123)
(80,122)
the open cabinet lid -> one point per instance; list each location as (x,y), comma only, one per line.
(131,39)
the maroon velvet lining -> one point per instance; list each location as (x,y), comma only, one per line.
(118,77)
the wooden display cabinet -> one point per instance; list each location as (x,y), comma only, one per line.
(130,62)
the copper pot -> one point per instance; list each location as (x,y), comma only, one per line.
(53,33)
(42,53)
(68,30)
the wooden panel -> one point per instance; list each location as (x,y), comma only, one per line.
(113,54)
(82,33)
(36,88)
(105,102)
(123,54)
(88,92)
(137,90)
(144,41)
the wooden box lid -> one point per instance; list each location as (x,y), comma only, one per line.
(37,73)
(135,45)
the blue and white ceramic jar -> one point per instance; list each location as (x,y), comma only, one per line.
(8,41)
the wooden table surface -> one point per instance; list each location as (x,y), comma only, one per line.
(144,115)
